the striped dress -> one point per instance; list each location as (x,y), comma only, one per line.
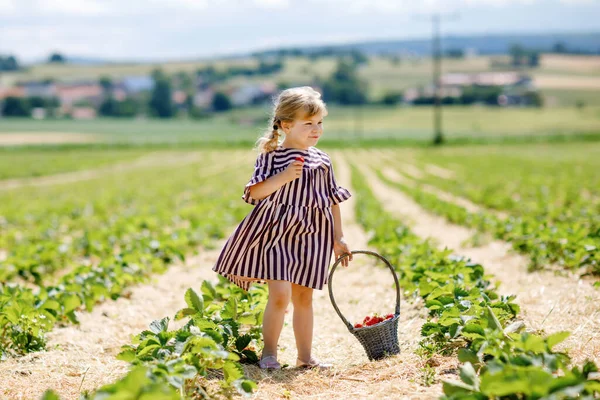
(289,234)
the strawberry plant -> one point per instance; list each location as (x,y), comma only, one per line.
(128,233)
(467,318)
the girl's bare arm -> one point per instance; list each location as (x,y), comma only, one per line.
(263,189)
(339,243)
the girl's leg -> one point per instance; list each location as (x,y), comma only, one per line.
(303,320)
(279,298)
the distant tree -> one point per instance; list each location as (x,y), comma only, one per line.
(391,98)
(559,47)
(358,57)
(221,102)
(524,57)
(37,102)
(16,107)
(344,86)
(517,52)
(106,83)
(114,108)
(534,59)
(455,53)
(184,81)
(161,102)
(57,58)
(109,107)
(9,63)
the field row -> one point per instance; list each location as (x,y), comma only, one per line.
(66,247)
(469,319)
(545,201)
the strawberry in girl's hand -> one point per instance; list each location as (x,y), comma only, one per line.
(300,158)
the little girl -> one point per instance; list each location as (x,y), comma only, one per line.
(287,239)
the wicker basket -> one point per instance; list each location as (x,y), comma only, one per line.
(380,340)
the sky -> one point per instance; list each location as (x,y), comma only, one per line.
(148,30)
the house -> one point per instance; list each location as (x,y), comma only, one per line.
(39,89)
(134,85)
(71,94)
(14,91)
(253,93)
(512,88)
(461,80)
(83,113)
(203,98)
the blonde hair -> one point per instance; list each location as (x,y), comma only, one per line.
(287,107)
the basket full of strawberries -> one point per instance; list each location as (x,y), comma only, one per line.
(378,334)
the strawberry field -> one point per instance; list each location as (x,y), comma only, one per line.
(82,239)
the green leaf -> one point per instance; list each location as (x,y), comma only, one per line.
(194,301)
(50,395)
(248,386)
(429,328)
(204,324)
(466,355)
(493,321)
(457,388)
(161,325)
(250,355)
(208,291)
(242,342)
(147,350)
(232,371)
(51,304)
(184,312)
(127,355)
(70,302)
(469,376)
(474,328)
(230,309)
(556,338)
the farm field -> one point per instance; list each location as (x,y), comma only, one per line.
(497,248)
(344,126)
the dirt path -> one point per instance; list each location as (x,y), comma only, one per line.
(34,138)
(415,173)
(549,302)
(359,290)
(87,352)
(150,160)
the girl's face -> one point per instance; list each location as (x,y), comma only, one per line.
(303,132)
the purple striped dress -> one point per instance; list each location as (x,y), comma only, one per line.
(289,234)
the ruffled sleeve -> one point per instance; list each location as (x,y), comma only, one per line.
(337,194)
(262,170)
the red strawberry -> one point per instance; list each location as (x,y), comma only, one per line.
(300,158)
(357,325)
(389,316)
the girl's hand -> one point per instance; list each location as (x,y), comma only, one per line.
(340,248)
(294,170)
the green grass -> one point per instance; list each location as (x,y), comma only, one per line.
(347,126)
(32,163)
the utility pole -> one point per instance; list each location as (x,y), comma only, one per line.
(438,137)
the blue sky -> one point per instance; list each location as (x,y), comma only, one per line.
(184,29)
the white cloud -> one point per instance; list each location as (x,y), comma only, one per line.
(7,6)
(73,7)
(134,29)
(275,4)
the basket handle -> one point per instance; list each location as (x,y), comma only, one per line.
(337,262)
